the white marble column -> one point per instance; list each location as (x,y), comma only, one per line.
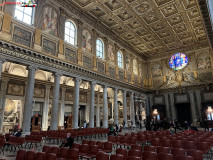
(132,108)
(116,105)
(28,104)
(171,96)
(193,109)
(1,65)
(45,108)
(61,108)
(54,111)
(166,96)
(92,104)
(76,103)
(4,82)
(98,111)
(124,108)
(105,117)
(198,97)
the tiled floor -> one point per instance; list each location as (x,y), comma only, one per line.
(11,155)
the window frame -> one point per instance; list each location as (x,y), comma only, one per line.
(23,13)
(98,51)
(75,32)
(120,59)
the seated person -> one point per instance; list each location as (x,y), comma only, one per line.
(18,133)
(68,141)
(172,130)
(193,127)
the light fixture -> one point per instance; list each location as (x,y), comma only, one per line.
(209,110)
(155,111)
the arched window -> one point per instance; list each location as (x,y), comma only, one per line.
(120,59)
(135,66)
(70,33)
(24,14)
(99,48)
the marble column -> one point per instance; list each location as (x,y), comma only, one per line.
(1,66)
(147,106)
(105,109)
(171,96)
(92,104)
(28,104)
(98,111)
(4,82)
(61,108)
(199,107)
(166,96)
(76,103)
(124,107)
(193,109)
(45,109)
(132,108)
(54,111)
(151,102)
(116,105)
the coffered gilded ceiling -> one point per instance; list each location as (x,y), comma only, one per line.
(153,28)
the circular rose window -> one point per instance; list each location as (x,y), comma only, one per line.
(178,61)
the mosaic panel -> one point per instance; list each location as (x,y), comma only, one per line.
(21,36)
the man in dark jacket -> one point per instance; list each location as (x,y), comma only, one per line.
(68,141)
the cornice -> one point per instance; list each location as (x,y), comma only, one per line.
(17,54)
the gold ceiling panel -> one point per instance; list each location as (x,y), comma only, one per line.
(151,27)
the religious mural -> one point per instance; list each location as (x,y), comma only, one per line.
(156,71)
(110,53)
(50,21)
(128,66)
(135,66)
(86,41)
(203,62)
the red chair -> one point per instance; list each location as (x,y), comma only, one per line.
(63,152)
(147,155)
(107,147)
(117,140)
(155,142)
(40,156)
(177,152)
(100,145)
(133,158)
(177,144)
(149,148)
(122,151)
(165,156)
(137,147)
(83,150)
(132,141)
(163,150)
(133,152)
(20,155)
(203,147)
(46,149)
(196,154)
(30,155)
(102,156)
(117,157)
(54,150)
(184,157)
(85,141)
(51,156)
(91,143)
(73,154)
(166,143)
(111,139)
(75,145)
(93,150)
(189,145)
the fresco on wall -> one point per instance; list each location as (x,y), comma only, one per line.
(156,71)
(50,21)
(110,53)
(203,62)
(86,41)
(135,66)
(128,67)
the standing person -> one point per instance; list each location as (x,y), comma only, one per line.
(124,124)
(205,125)
(68,141)
(101,123)
(85,124)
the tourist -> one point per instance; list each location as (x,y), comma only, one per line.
(18,133)
(68,141)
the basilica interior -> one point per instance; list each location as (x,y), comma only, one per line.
(104,62)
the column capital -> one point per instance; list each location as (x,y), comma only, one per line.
(116,88)
(47,86)
(2,61)
(124,91)
(92,83)
(105,85)
(57,74)
(197,91)
(32,67)
(191,91)
(77,79)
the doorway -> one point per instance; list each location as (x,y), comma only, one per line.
(183,112)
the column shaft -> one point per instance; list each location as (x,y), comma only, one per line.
(61,109)
(171,95)
(28,100)
(167,105)
(105,117)
(1,65)
(124,107)
(116,105)
(193,109)
(132,109)
(76,103)
(45,109)
(92,105)
(198,97)
(98,111)
(147,106)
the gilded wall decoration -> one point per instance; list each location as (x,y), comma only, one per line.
(112,71)
(50,21)
(121,75)
(101,67)
(14,89)
(70,55)
(39,92)
(205,77)
(21,36)
(87,62)
(204,62)
(69,96)
(110,53)
(49,47)
(156,71)
(128,66)
(135,66)
(86,41)
(83,98)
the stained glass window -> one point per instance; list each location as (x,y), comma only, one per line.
(178,61)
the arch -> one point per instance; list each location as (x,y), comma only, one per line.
(70,33)
(100,48)
(40,75)
(18,70)
(120,59)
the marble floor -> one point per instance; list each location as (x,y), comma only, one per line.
(11,155)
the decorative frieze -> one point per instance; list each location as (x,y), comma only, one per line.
(21,36)
(49,46)
(70,55)
(87,62)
